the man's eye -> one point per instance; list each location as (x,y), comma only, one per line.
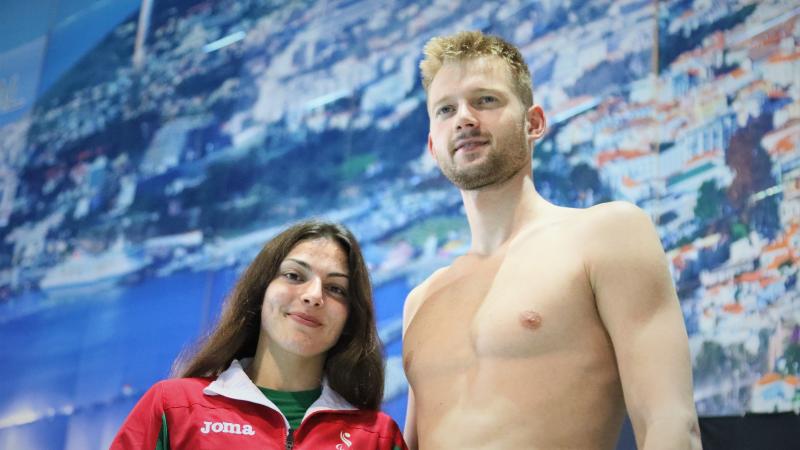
(444,110)
(487,99)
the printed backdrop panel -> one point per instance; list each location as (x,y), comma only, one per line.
(138,176)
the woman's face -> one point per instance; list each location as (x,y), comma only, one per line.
(306,305)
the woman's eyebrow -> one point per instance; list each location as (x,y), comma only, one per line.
(308,266)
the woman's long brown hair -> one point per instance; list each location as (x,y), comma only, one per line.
(354,365)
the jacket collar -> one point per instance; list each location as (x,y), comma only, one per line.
(235,384)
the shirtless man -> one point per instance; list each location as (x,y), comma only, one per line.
(557,319)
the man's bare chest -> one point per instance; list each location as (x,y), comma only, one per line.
(514,306)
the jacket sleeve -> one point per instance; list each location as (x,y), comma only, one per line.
(141,429)
(394,438)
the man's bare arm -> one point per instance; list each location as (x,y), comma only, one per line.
(637,303)
(410,430)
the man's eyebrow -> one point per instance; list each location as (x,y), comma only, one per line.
(440,100)
(473,91)
(488,91)
(308,266)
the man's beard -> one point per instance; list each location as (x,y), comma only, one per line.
(500,163)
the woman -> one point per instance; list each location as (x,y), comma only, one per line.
(294,362)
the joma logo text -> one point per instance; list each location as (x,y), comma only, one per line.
(227,427)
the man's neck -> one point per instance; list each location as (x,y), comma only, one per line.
(498,212)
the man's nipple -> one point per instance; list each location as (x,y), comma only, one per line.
(530,319)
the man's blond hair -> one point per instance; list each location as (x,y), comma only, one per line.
(474,44)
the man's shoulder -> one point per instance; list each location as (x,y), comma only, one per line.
(576,225)
(618,220)
(419,293)
(619,231)
(609,220)
(436,277)
(588,233)
(616,210)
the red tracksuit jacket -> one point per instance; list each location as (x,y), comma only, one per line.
(230,413)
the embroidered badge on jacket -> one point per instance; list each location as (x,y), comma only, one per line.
(345,437)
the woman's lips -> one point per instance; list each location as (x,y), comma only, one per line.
(305,319)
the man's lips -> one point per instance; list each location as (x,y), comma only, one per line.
(305,319)
(469,144)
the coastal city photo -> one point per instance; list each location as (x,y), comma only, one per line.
(149,149)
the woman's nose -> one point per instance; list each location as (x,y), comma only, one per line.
(312,295)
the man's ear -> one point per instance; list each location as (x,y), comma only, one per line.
(536,123)
(431,150)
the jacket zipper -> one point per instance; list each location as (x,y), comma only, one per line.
(290,439)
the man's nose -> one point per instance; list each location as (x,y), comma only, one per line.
(312,295)
(466,118)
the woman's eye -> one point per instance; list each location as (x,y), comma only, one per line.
(338,290)
(292,276)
